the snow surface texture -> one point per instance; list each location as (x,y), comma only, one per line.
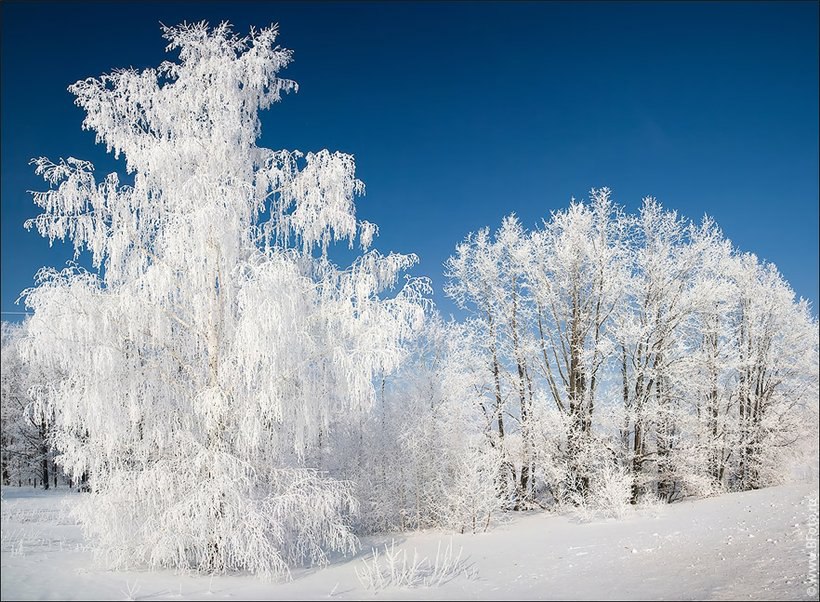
(749,545)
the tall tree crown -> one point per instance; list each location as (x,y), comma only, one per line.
(216,342)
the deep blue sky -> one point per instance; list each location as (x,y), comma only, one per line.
(460,113)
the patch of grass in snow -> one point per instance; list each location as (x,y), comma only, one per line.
(392,568)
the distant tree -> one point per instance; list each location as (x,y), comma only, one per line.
(421,459)
(210,351)
(25,437)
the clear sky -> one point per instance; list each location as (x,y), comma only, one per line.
(460,113)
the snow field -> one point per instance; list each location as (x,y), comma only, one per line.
(749,545)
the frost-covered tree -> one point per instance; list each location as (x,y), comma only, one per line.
(425,457)
(213,345)
(26,427)
(485,279)
(13,400)
(776,389)
(577,272)
(670,285)
(706,370)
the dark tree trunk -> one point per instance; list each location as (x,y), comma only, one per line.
(6,474)
(44,469)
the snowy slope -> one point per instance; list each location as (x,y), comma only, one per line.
(751,545)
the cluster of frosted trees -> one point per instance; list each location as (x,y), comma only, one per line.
(640,352)
(237,401)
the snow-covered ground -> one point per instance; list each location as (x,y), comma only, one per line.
(751,545)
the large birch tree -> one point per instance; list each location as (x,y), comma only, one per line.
(213,342)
